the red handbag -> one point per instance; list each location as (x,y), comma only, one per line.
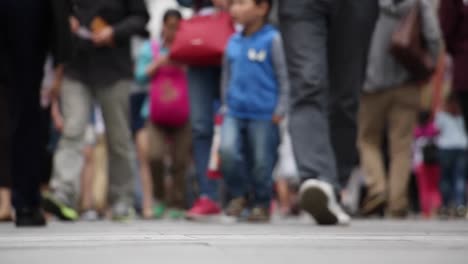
(201,40)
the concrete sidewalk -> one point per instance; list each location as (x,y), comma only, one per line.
(293,241)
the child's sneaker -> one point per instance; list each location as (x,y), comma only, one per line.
(90,216)
(59,209)
(202,209)
(444,213)
(176,214)
(236,207)
(121,212)
(159,210)
(259,215)
(460,211)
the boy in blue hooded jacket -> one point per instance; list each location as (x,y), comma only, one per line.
(255,92)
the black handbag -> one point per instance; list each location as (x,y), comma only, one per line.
(431,153)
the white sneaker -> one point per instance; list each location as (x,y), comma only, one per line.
(122,212)
(319,200)
(90,216)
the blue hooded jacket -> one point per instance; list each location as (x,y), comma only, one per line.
(253,89)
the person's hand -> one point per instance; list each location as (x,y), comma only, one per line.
(74,24)
(156,64)
(104,37)
(277,119)
(52,93)
(221,4)
(57,118)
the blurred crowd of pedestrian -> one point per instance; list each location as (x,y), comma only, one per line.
(335,108)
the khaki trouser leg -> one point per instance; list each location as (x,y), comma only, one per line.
(114,102)
(402,121)
(372,121)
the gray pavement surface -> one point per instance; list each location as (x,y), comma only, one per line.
(283,241)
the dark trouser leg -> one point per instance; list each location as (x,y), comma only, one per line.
(26,56)
(351,28)
(460,178)
(5,181)
(47,155)
(181,155)
(463,100)
(447,159)
(326,64)
(304,27)
(157,150)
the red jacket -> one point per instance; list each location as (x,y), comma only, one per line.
(454,23)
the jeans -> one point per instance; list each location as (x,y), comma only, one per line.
(204,88)
(453,163)
(326,45)
(77,102)
(260,140)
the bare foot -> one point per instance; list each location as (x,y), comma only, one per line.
(5,205)
(148,213)
(5,215)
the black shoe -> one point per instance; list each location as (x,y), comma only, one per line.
(374,205)
(319,200)
(27,217)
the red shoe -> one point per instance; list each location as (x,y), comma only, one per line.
(203,208)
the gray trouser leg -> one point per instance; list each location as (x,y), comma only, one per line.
(68,159)
(114,102)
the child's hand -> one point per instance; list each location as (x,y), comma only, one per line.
(162,61)
(54,92)
(277,119)
(156,64)
(57,118)
(221,4)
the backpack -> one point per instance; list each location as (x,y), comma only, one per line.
(431,153)
(169,99)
